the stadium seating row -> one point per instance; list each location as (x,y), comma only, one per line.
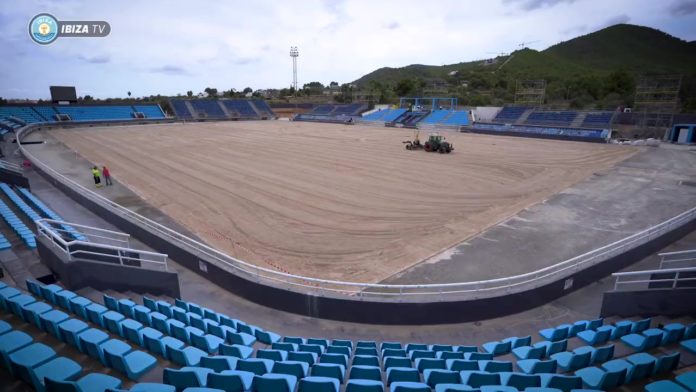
(17,225)
(513,114)
(222,109)
(554,132)
(353,109)
(386,115)
(49,213)
(47,113)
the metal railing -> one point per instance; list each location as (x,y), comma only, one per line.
(11,166)
(657,279)
(316,286)
(95,251)
(685,258)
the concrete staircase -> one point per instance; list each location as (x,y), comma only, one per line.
(228,114)
(260,113)
(524,116)
(191,110)
(579,119)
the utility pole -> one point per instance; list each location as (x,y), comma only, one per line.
(294,53)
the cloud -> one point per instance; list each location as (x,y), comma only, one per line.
(98,59)
(393,25)
(618,19)
(574,30)
(530,5)
(246,60)
(683,8)
(170,70)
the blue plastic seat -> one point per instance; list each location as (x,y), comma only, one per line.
(554,334)
(241,338)
(179,330)
(529,352)
(186,377)
(159,322)
(272,382)
(186,356)
(317,341)
(665,386)
(50,321)
(219,363)
(78,305)
(92,382)
(454,388)
(564,383)
(462,364)
(552,347)
(70,330)
(90,340)
(433,377)
(476,356)
(301,356)
(390,362)
(4,327)
(338,359)
(596,378)
(113,347)
(63,298)
(15,303)
(273,355)
(364,386)
(293,368)
(236,350)
(450,355)
(94,313)
(417,354)
(48,291)
(284,346)
(640,325)
(650,338)
(125,307)
(134,364)
(396,374)
(157,343)
(365,360)
(12,341)
(149,303)
(599,354)
(28,357)
(343,350)
(688,380)
(599,336)
(312,348)
(633,372)
(110,302)
(34,310)
(689,345)
(536,366)
(58,369)
(366,344)
(318,384)
(286,339)
(407,386)
(389,345)
(206,342)
(569,361)
(478,379)
(520,381)
(365,373)
(152,387)
(257,366)
(231,380)
(495,366)
(498,348)
(329,370)
(266,337)
(423,364)
(394,352)
(142,314)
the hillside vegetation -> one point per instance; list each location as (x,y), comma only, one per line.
(597,70)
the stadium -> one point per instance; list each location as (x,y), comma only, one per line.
(467,227)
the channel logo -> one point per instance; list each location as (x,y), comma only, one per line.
(45,28)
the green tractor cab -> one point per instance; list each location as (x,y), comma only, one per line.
(437,143)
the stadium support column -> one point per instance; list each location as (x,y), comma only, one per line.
(294,53)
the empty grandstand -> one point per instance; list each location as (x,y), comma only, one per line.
(221,109)
(51,113)
(340,114)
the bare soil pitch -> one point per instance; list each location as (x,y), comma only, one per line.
(332,201)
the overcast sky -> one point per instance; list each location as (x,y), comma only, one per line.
(169,46)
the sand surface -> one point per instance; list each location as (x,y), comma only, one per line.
(333,201)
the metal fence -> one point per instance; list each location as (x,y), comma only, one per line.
(415,292)
(98,250)
(685,258)
(659,279)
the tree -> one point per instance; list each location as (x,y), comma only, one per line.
(212,92)
(405,87)
(189,93)
(129,94)
(88,98)
(333,84)
(247,90)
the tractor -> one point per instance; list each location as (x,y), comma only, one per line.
(437,143)
(414,144)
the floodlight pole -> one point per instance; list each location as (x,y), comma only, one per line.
(294,53)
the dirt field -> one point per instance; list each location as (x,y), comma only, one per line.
(331,201)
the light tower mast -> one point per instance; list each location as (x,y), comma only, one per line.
(294,53)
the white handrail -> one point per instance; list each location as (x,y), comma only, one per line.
(639,277)
(475,289)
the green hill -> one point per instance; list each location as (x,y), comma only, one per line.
(599,69)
